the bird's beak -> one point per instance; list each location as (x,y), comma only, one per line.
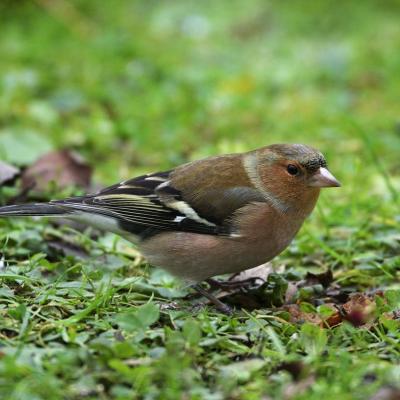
(323,178)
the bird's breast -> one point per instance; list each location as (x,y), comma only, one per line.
(261,235)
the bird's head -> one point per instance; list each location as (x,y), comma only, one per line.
(293,174)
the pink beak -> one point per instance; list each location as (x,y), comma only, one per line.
(323,178)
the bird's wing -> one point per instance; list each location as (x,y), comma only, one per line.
(151,203)
(216,187)
(144,206)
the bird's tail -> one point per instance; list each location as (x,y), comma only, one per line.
(89,215)
(34,210)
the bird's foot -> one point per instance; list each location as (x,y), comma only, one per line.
(222,307)
(231,285)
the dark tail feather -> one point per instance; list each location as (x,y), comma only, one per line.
(33,210)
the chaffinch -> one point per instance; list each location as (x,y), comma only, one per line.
(219,215)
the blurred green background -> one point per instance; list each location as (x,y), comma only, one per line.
(139,86)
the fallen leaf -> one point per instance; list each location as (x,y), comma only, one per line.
(7,173)
(311,287)
(335,318)
(324,278)
(258,273)
(63,167)
(299,316)
(359,310)
(339,294)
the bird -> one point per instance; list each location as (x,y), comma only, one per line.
(218,215)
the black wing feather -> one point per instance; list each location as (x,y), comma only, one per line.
(146,205)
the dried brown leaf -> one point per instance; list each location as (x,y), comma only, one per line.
(7,172)
(359,310)
(335,318)
(324,278)
(63,167)
(299,316)
(261,272)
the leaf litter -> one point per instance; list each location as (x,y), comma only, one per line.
(63,168)
(331,305)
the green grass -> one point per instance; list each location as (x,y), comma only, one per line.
(143,86)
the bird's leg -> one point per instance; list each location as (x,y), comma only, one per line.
(231,285)
(224,308)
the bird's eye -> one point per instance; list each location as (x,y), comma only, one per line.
(292,169)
